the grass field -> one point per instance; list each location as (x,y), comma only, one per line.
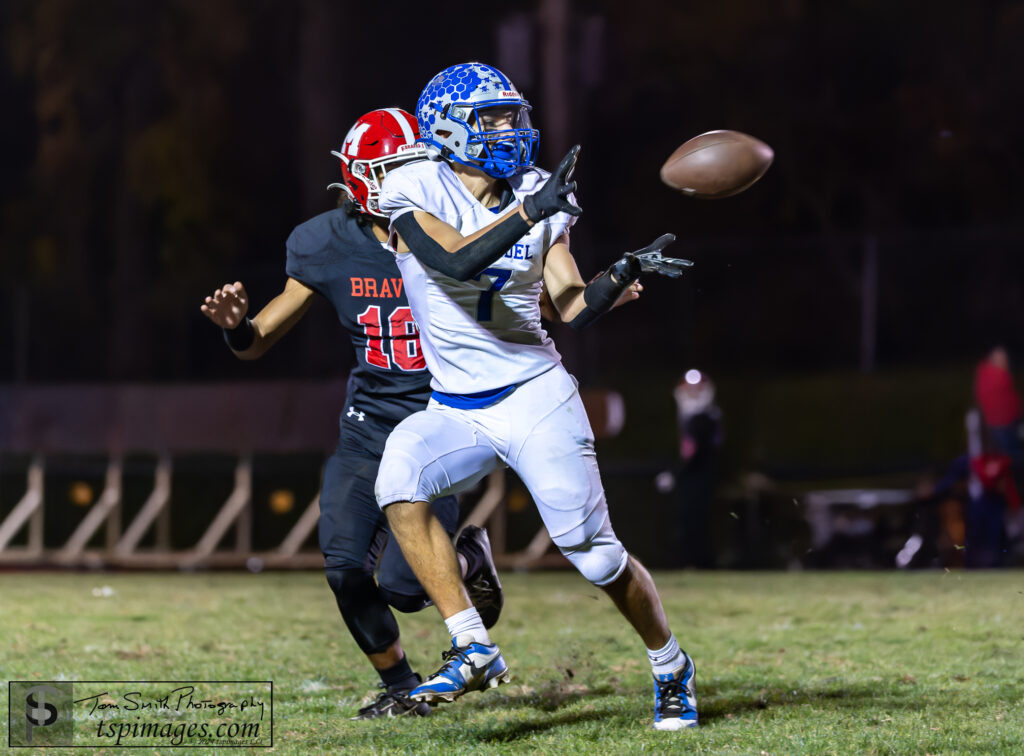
(795,663)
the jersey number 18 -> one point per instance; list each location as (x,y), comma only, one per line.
(404,339)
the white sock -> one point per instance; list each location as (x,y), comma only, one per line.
(467,623)
(666,659)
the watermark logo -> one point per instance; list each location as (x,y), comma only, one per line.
(40,714)
(37,711)
(134,714)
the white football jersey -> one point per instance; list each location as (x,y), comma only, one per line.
(485,333)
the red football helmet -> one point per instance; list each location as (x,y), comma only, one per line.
(376,143)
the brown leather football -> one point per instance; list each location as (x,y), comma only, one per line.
(717,164)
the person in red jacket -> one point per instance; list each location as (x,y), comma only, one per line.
(1000,404)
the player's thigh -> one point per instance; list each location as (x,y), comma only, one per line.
(431,454)
(350,520)
(559,468)
(395,575)
(557,462)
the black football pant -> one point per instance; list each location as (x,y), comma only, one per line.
(356,542)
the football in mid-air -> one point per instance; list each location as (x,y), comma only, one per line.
(717,164)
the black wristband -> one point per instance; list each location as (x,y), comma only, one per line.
(603,292)
(241,337)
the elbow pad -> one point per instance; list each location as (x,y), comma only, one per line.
(473,258)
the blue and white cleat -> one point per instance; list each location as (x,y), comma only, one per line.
(469,666)
(675,701)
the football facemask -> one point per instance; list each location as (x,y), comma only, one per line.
(502,140)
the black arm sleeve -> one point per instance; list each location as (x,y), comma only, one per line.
(472,259)
(602,293)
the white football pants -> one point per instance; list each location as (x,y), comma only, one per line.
(541,431)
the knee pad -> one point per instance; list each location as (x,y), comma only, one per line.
(600,560)
(364,609)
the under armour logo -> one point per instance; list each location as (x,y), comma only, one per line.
(360,416)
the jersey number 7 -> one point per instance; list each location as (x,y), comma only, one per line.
(501,277)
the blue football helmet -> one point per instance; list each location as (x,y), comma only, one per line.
(472,114)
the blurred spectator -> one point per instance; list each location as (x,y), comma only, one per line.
(992,497)
(700,435)
(992,494)
(1000,404)
(970,516)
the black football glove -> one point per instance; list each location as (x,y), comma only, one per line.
(649,260)
(553,196)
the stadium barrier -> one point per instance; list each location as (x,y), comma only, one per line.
(113,421)
(237,420)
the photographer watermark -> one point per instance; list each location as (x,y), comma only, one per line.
(39,713)
(133,714)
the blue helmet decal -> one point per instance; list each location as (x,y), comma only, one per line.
(449,112)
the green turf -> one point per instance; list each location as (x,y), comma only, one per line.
(797,663)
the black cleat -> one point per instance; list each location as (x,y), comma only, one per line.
(392,704)
(484,587)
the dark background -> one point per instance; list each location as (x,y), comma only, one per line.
(154,151)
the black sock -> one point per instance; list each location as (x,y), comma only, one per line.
(474,557)
(399,677)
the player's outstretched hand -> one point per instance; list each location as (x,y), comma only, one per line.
(650,260)
(553,197)
(228,305)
